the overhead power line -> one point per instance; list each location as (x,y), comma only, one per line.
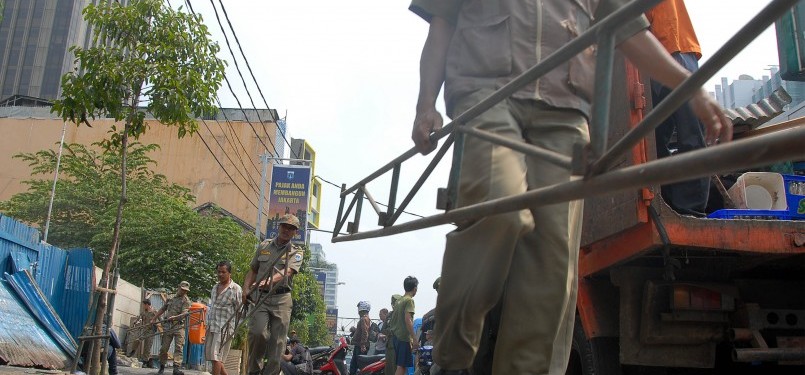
(294,154)
(235,134)
(253,183)
(225,171)
(237,100)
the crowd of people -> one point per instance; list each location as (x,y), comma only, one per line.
(536,249)
(266,290)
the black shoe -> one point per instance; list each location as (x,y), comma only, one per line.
(177,371)
(161,369)
(453,372)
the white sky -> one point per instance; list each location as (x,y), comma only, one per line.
(346,72)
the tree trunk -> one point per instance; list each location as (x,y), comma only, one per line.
(95,362)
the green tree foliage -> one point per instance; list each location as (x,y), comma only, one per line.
(164,240)
(142,53)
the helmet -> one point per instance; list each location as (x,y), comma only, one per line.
(364,306)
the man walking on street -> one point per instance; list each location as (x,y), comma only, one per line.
(225,300)
(402,324)
(475,47)
(174,328)
(274,264)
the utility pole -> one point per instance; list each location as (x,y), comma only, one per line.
(55,179)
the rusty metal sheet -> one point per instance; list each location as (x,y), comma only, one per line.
(23,342)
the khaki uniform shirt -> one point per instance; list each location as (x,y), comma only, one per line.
(289,256)
(147,316)
(145,319)
(175,306)
(497,40)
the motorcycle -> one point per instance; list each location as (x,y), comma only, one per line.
(325,360)
(372,364)
(425,359)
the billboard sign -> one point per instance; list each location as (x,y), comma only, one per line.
(321,279)
(331,320)
(289,194)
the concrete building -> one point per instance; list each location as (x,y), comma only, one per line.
(769,84)
(184,161)
(319,264)
(738,93)
(747,90)
(34,40)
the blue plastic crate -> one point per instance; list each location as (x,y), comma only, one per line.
(746,214)
(795,195)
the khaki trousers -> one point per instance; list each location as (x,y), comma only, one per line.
(178,339)
(531,267)
(268,329)
(145,354)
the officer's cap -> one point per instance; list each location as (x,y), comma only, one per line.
(290,220)
(184,285)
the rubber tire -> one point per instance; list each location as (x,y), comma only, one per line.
(599,356)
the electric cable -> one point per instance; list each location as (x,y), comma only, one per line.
(225,171)
(237,100)
(253,183)
(294,155)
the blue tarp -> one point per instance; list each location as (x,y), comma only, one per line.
(78,281)
(23,341)
(30,294)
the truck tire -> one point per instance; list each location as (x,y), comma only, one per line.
(597,356)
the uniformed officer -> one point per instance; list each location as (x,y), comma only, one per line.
(268,326)
(174,328)
(148,330)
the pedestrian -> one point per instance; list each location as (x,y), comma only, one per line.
(391,361)
(360,341)
(671,25)
(402,324)
(294,355)
(268,284)
(175,308)
(380,343)
(148,331)
(475,47)
(225,301)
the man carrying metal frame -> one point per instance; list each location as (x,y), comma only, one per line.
(475,47)
(176,309)
(270,276)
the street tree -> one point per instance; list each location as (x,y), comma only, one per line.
(145,58)
(163,240)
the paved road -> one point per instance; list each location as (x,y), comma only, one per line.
(122,370)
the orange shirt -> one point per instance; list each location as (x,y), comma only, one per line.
(671,25)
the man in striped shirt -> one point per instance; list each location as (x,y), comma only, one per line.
(224,303)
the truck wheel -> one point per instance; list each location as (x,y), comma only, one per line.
(598,356)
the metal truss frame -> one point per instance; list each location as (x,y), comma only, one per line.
(594,161)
